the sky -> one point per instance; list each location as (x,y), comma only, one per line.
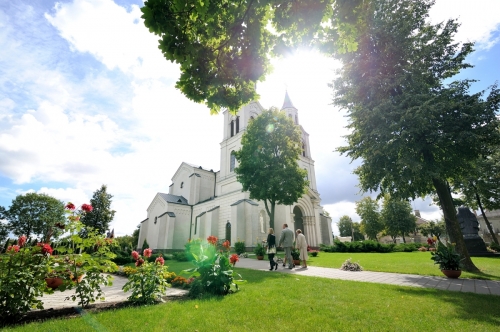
(86,98)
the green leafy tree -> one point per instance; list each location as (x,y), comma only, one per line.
(145,244)
(356,229)
(433,228)
(101,215)
(4,231)
(368,209)
(397,217)
(345,226)
(480,187)
(35,215)
(412,132)
(224,47)
(268,161)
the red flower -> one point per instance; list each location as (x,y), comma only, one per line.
(212,239)
(147,252)
(46,249)
(139,262)
(22,240)
(86,207)
(234,258)
(160,260)
(430,241)
(70,206)
(226,244)
(14,248)
(135,255)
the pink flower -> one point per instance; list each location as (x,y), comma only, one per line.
(233,259)
(139,262)
(212,239)
(70,206)
(160,260)
(22,240)
(46,249)
(135,255)
(86,207)
(147,252)
(14,248)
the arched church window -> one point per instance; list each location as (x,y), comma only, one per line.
(228,231)
(303,149)
(307,174)
(232,128)
(232,162)
(196,224)
(182,184)
(296,119)
(156,220)
(237,124)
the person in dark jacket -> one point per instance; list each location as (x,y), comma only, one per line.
(271,249)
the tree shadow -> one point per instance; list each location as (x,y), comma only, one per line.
(469,306)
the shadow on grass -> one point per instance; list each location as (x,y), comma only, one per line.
(468,306)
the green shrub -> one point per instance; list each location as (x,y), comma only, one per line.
(239,247)
(180,256)
(495,246)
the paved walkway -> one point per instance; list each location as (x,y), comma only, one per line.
(412,280)
(116,294)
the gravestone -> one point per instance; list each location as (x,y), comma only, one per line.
(470,230)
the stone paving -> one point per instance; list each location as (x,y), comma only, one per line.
(412,280)
(115,293)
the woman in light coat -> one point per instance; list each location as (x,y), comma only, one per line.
(301,244)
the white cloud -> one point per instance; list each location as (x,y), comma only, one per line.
(479,19)
(115,36)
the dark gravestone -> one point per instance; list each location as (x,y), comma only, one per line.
(470,229)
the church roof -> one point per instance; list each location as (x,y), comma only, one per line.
(288,102)
(174,198)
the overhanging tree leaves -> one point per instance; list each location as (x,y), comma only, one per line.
(397,217)
(433,228)
(412,132)
(101,215)
(35,214)
(223,47)
(267,161)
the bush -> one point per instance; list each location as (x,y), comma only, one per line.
(180,256)
(239,247)
(351,266)
(495,246)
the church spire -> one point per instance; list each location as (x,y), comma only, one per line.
(288,102)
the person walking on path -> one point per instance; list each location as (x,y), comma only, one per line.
(286,241)
(271,249)
(301,244)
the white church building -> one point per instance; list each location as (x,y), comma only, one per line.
(202,202)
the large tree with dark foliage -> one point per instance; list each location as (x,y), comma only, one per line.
(35,215)
(224,47)
(268,161)
(101,215)
(413,132)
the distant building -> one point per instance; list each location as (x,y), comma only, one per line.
(202,202)
(494,219)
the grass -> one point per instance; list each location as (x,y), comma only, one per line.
(405,262)
(285,302)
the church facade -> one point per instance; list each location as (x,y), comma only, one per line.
(202,202)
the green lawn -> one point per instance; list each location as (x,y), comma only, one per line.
(405,262)
(286,302)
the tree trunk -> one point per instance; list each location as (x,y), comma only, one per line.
(487,222)
(270,213)
(404,240)
(452,225)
